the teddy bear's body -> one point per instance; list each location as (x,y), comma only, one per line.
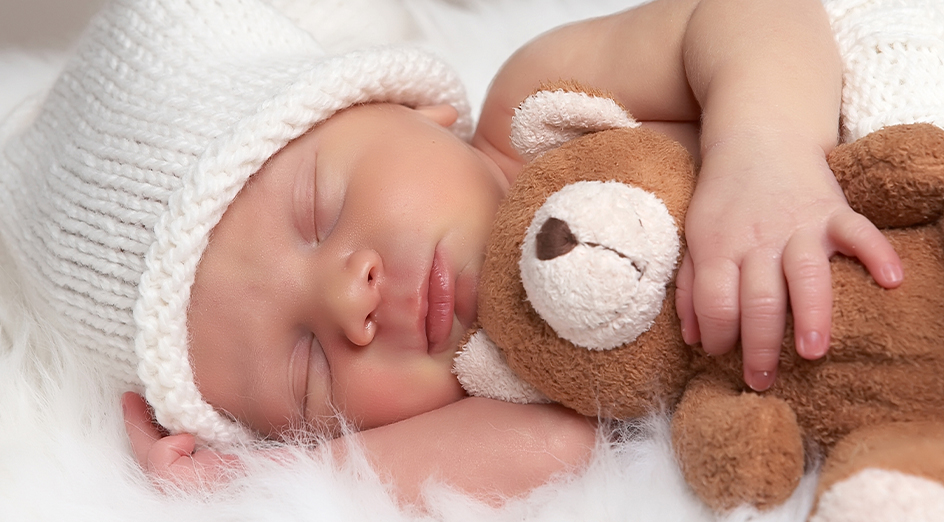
(884,370)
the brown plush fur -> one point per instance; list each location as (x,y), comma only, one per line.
(734,446)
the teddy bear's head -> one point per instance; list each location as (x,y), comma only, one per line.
(577,288)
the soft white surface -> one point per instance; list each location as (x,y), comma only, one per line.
(63,454)
(25,74)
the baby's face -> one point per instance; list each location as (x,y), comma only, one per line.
(344,273)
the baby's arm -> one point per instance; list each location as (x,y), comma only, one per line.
(488,449)
(636,55)
(767,212)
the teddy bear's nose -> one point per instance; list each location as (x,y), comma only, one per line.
(554,239)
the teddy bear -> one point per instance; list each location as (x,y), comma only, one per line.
(576,306)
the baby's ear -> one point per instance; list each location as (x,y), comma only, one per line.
(442,114)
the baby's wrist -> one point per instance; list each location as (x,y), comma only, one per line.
(765,135)
(748,155)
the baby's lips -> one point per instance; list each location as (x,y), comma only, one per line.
(440,308)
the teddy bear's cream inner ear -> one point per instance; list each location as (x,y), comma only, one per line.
(596,260)
(548,119)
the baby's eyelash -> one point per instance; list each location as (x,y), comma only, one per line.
(303,202)
(317,370)
(308,377)
(300,369)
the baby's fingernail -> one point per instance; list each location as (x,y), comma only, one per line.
(892,273)
(761,381)
(686,333)
(811,346)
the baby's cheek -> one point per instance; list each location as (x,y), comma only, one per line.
(376,397)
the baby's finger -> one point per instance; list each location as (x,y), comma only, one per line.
(683,301)
(806,265)
(214,468)
(141,431)
(763,314)
(170,458)
(715,300)
(854,235)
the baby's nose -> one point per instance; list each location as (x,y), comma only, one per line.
(358,296)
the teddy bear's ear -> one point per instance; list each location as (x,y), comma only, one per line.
(555,115)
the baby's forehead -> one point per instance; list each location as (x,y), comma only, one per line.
(391,131)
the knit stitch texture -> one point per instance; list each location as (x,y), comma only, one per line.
(893,62)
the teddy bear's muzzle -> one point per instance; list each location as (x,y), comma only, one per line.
(596,260)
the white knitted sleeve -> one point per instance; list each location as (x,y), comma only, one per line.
(893,62)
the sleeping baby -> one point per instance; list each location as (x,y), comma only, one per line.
(272,243)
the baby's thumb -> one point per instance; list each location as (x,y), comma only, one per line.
(168,452)
(684,305)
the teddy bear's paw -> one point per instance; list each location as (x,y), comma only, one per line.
(736,448)
(894,176)
(885,471)
(881,495)
(483,372)
(596,260)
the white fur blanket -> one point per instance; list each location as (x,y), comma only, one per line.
(63,453)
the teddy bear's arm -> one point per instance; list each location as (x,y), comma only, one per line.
(483,372)
(736,448)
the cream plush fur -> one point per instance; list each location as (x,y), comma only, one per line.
(63,453)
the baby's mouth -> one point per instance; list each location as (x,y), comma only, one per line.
(441,298)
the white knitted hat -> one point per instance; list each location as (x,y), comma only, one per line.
(107,197)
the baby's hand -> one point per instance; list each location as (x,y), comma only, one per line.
(171,458)
(765,218)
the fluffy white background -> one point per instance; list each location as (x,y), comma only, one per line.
(63,454)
